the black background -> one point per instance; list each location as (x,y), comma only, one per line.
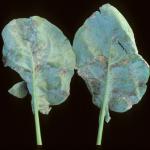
(73,125)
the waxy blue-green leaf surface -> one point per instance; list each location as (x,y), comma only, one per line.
(42,56)
(108,60)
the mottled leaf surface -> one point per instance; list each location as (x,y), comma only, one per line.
(108,61)
(42,56)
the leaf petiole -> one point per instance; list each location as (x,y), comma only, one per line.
(101,126)
(37,128)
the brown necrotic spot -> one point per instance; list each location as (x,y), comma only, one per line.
(141,84)
(102,59)
(63,71)
(115,90)
(37,68)
(95,85)
(125,62)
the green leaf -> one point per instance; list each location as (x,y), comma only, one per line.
(108,61)
(19,89)
(44,59)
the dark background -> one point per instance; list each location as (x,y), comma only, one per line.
(73,125)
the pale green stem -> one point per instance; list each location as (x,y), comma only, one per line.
(101,125)
(37,124)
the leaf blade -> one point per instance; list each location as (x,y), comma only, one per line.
(35,46)
(103,58)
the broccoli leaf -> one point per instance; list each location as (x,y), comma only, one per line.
(108,61)
(19,89)
(44,59)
